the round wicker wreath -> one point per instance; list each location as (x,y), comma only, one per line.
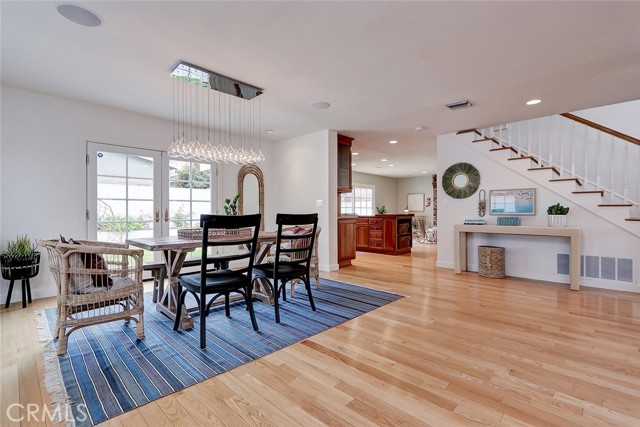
(461,191)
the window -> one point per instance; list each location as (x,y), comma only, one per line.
(189,194)
(359,202)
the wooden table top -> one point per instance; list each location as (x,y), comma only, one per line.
(178,243)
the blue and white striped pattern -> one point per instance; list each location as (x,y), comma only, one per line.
(109,372)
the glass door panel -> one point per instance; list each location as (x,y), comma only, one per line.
(124,193)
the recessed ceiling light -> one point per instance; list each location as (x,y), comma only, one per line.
(393,142)
(79,15)
(391,165)
(353,164)
(354,154)
(320,105)
(534,101)
(268,131)
(383,160)
(419,128)
(424,171)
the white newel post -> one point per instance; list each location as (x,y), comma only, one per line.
(561,144)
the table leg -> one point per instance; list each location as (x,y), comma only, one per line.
(167,305)
(574,263)
(261,289)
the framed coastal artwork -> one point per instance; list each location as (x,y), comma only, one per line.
(520,201)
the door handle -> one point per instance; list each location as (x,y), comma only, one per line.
(157,215)
(166,214)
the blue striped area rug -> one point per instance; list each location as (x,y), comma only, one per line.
(106,372)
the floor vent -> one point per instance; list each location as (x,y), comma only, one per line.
(608,268)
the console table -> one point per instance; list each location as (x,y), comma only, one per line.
(460,244)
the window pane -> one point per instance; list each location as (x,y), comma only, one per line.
(140,189)
(140,167)
(111,187)
(111,164)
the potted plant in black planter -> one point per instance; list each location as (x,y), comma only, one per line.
(557,215)
(20,261)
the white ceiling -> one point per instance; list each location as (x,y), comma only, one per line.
(386,67)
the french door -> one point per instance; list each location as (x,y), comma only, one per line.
(135,192)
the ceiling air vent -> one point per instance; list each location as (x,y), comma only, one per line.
(458,104)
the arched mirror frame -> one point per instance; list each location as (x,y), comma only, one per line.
(251,170)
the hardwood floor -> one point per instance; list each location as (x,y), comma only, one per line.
(457,351)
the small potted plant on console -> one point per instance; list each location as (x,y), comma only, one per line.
(557,215)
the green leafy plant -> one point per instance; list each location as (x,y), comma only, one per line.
(231,206)
(22,250)
(117,223)
(381,210)
(557,209)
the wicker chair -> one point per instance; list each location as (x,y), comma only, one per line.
(89,294)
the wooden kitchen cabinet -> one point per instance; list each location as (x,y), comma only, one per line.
(388,234)
(344,164)
(346,240)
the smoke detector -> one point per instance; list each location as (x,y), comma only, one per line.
(458,104)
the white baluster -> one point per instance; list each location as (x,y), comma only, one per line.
(510,143)
(573,150)
(539,142)
(586,156)
(612,167)
(560,143)
(549,140)
(529,138)
(626,172)
(598,161)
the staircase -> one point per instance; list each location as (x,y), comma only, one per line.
(591,165)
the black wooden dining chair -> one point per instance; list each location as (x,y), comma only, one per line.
(292,257)
(216,276)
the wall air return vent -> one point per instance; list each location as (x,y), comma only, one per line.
(459,104)
(609,268)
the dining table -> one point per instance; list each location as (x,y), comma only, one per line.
(174,250)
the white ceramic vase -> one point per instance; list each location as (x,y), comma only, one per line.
(557,220)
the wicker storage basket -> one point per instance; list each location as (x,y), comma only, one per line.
(491,261)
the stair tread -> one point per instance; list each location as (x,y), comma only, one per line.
(525,157)
(589,192)
(615,205)
(632,219)
(566,179)
(481,140)
(504,148)
(545,168)
(460,132)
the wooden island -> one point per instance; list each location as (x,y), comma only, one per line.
(388,234)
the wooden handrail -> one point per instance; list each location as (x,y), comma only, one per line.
(601,128)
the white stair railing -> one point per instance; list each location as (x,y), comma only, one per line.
(600,161)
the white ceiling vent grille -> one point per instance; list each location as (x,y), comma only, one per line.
(459,104)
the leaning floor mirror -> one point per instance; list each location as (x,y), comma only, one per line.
(251,190)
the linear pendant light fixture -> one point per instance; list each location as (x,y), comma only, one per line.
(215,118)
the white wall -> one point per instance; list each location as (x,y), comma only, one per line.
(386,190)
(42,168)
(309,175)
(419,184)
(623,117)
(530,257)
